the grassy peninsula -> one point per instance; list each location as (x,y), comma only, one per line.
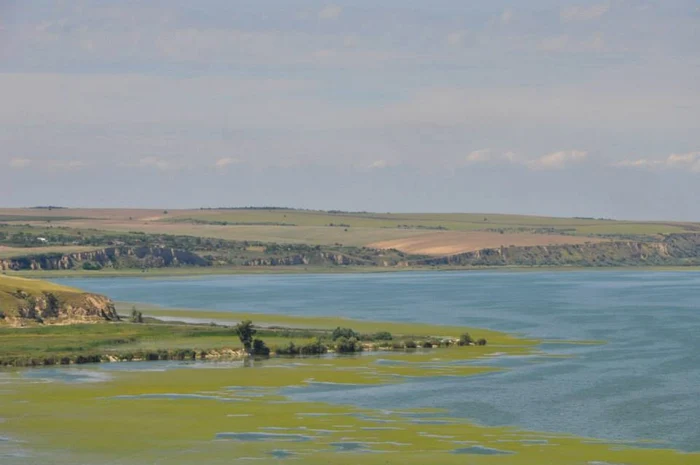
(234,406)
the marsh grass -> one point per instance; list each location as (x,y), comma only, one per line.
(209,415)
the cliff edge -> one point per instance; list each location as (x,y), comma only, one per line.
(31,301)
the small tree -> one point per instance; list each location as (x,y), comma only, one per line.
(481,342)
(245,332)
(136,316)
(465,340)
(52,306)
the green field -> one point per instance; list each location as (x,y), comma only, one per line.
(257,221)
(451,221)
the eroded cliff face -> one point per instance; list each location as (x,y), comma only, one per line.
(318,258)
(675,249)
(110,257)
(20,307)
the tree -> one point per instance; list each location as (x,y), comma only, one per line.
(52,306)
(245,332)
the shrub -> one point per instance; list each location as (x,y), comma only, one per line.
(260,349)
(465,340)
(314,348)
(383,336)
(410,344)
(481,342)
(345,345)
(289,349)
(397,345)
(91,266)
(427,344)
(347,333)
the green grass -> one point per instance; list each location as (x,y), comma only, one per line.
(13,252)
(362,326)
(38,217)
(451,221)
(312,226)
(43,341)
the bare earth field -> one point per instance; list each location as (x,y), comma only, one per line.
(450,243)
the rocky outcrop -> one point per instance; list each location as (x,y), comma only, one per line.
(279,261)
(110,257)
(316,258)
(19,307)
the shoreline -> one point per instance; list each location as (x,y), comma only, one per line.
(187,272)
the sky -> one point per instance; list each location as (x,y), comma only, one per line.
(564,108)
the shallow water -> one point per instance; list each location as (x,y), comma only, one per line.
(642,384)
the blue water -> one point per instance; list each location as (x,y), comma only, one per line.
(643,383)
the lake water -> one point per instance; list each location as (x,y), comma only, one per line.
(643,383)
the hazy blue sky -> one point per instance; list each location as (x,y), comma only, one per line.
(550,107)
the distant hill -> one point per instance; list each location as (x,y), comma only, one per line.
(31,301)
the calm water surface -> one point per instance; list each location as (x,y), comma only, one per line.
(644,383)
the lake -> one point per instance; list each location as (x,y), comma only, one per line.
(641,382)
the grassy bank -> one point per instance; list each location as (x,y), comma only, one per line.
(194,335)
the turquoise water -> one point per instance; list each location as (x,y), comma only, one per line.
(644,383)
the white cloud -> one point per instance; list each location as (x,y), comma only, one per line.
(584,13)
(551,161)
(67,164)
(226,161)
(378,164)
(489,156)
(640,163)
(688,161)
(557,160)
(330,12)
(684,159)
(20,162)
(507,16)
(154,163)
(480,156)
(456,38)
